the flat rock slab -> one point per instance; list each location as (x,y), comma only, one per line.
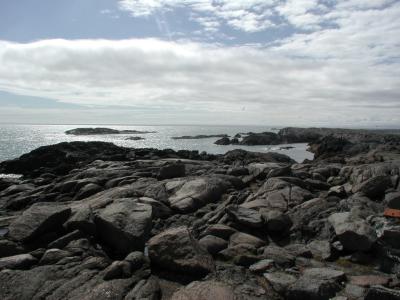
(40,218)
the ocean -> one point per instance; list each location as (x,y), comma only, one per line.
(16,140)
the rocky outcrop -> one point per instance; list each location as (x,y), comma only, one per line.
(101,131)
(200,136)
(118,223)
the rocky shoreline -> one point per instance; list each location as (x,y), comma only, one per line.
(91,220)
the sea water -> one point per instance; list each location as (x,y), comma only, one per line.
(16,140)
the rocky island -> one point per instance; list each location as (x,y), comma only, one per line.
(101,131)
(91,220)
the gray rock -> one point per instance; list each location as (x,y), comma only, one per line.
(244,238)
(125,225)
(160,210)
(197,192)
(176,250)
(354,233)
(209,289)
(37,220)
(213,244)
(262,266)
(279,255)
(320,249)
(245,216)
(145,290)
(118,269)
(280,281)
(316,284)
(20,261)
(52,256)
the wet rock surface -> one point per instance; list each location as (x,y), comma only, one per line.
(97,221)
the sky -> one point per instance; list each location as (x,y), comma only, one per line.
(239,62)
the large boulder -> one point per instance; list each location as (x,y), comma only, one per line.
(37,220)
(124,225)
(374,187)
(176,250)
(354,233)
(196,192)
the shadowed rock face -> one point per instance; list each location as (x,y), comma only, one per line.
(118,223)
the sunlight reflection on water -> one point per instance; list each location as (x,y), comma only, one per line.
(16,140)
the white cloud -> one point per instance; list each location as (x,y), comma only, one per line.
(274,86)
(249,15)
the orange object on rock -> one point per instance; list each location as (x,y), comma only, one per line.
(391,212)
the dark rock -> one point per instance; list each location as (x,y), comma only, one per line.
(380,293)
(276,221)
(118,269)
(37,220)
(66,239)
(219,230)
(63,157)
(172,170)
(82,219)
(223,141)
(375,187)
(392,200)
(200,136)
(213,244)
(124,225)
(87,191)
(9,248)
(265,138)
(100,131)
(176,250)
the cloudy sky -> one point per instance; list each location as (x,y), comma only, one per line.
(267,62)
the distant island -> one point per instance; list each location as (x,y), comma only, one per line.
(200,136)
(100,131)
